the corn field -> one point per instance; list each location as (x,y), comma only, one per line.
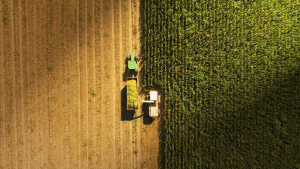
(230,74)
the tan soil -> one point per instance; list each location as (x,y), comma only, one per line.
(49,117)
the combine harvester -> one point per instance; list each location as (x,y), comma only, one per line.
(153,101)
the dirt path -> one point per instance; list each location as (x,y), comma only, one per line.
(63,86)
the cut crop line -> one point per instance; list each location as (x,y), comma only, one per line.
(114,82)
(78,71)
(102,80)
(21,74)
(28,80)
(14,78)
(36,81)
(94,99)
(121,80)
(58,47)
(3,162)
(67,94)
(45,117)
(87,85)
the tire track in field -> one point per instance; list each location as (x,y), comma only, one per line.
(127,156)
(102,84)
(54,86)
(83,89)
(87,86)
(20,111)
(14,142)
(109,86)
(113,107)
(66,110)
(3,114)
(57,72)
(121,85)
(16,73)
(78,77)
(64,114)
(49,20)
(6,46)
(117,94)
(36,129)
(91,82)
(86,126)
(27,118)
(17,84)
(65,20)
(24,45)
(93,74)
(33,88)
(74,83)
(42,83)
(9,80)
(138,122)
(99,85)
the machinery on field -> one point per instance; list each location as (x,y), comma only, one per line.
(153,99)
(131,93)
(132,61)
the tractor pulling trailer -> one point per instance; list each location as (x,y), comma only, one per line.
(132,94)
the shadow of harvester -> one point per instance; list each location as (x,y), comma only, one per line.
(146,118)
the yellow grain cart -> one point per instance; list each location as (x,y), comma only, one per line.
(132,93)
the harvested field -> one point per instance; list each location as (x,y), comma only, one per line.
(63,93)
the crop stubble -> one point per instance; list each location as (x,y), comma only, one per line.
(54,55)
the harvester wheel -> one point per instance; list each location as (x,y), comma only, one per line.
(128,56)
(136,57)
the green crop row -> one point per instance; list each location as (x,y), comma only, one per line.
(230,75)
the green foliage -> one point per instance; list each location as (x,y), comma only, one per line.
(230,74)
(93,93)
(4,20)
(49,68)
(134,31)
